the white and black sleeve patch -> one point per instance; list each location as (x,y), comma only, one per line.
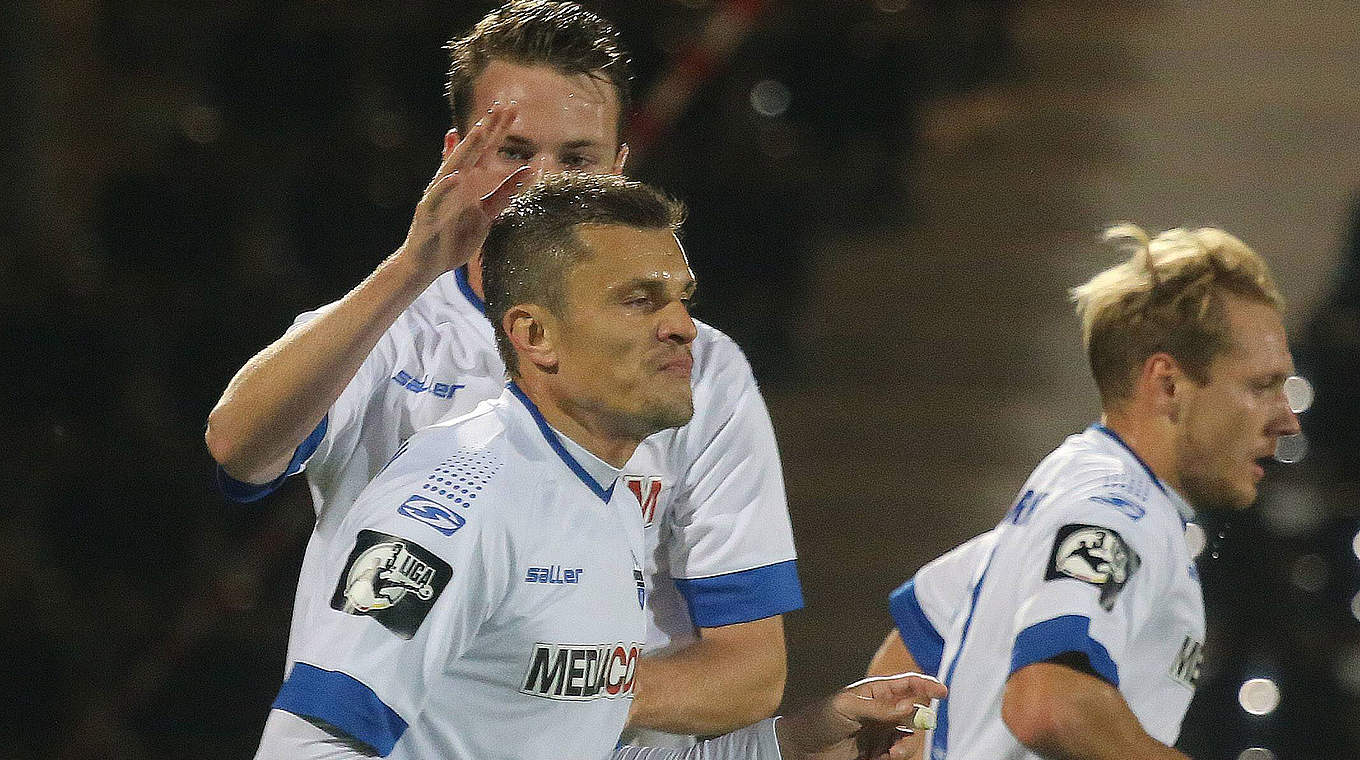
(392,580)
(1094,555)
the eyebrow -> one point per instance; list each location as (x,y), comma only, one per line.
(568,145)
(653,284)
(582,143)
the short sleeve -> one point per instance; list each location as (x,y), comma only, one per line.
(731,550)
(925,608)
(406,592)
(1089,574)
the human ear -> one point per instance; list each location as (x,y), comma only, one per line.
(451,140)
(1163,383)
(531,331)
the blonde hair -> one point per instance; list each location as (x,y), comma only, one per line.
(1167,297)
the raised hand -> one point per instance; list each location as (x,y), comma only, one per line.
(454,214)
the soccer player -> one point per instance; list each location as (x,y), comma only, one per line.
(1074,628)
(411,345)
(484,596)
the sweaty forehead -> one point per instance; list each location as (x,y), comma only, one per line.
(553,107)
(621,254)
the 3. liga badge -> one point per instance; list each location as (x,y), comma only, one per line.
(1094,555)
(393,580)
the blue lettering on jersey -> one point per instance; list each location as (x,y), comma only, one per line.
(1024,507)
(1134,511)
(420,385)
(553,574)
(432,514)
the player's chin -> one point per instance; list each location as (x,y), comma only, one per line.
(1242,494)
(674,410)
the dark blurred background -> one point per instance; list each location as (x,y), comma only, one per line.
(889,199)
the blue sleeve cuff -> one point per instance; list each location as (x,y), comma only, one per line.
(343,702)
(242,492)
(743,596)
(925,644)
(1068,633)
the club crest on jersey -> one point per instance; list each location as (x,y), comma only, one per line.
(392,580)
(647,489)
(1094,555)
(580,672)
(1185,667)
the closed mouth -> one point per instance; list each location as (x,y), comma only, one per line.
(679,365)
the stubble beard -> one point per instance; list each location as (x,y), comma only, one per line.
(1206,489)
(663,415)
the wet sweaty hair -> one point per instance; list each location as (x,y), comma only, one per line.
(560,35)
(533,244)
(1169,296)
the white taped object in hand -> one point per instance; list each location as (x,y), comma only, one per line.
(924,718)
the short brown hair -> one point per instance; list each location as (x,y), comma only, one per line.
(1167,297)
(533,244)
(561,35)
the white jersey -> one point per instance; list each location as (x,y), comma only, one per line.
(483,598)
(1091,559)
(294,737)
(719,544)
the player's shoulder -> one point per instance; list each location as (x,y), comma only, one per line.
(441,308)
(456,464)
(1087,480)
(446,298)
(722,374)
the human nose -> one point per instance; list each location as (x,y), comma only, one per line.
(543,164)
(1286,420)
(676,324)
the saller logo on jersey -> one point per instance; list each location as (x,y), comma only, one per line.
(392,580)
(1095,555)
(579,672)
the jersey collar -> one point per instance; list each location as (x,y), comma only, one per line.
(1186,511)
(460,275)
(592,470)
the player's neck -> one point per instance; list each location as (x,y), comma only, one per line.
(589,430)
(1152,439)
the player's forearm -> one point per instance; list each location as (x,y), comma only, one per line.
(1063,714)
(732,677)
(281,394)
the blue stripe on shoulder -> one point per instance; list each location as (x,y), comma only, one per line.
(343,702)
(242,492)
(1067,633)
(925,644)
(743,596)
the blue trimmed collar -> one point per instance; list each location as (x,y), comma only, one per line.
(1186,511)
(589,468)
(461,276)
